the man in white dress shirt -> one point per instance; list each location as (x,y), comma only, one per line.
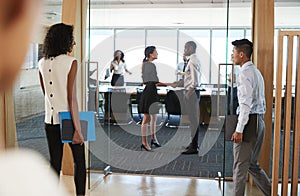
(251,96)
(190,83)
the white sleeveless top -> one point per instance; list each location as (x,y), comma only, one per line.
(55,72)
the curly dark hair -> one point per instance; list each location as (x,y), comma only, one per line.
(59,40)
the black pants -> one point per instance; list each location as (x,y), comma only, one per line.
(56,152)
(192,108)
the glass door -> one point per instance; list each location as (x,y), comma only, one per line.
(98,96)
(131,28)
(28,96)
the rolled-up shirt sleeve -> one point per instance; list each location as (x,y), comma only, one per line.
(194,74)
(245,91)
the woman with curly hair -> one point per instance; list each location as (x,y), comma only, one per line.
(57,72)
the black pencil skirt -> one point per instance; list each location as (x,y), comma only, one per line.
(149,101)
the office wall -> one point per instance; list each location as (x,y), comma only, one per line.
(111,17)
(287,16)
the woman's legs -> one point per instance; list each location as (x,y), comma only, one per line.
(79,168)
(56,152)
(153,126)
(55,146)
(145,121)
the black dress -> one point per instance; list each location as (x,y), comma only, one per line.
(148,103)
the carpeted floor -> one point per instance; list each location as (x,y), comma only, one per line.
(125,155)
(31,134)
(120,147)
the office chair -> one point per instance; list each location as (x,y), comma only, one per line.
(174,106)
(119,106)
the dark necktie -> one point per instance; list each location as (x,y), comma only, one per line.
(184,65)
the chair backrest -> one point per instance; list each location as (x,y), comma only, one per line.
(139,92)
(119,101)
(173,103)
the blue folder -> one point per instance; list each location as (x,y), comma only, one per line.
(87,123)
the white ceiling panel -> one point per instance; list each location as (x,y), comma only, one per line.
(52,12)
(167,1)
(196,1)
(130,1)
(145,2)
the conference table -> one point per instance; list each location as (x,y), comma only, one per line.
(119,101)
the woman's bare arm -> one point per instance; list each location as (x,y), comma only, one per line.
(73,104)
(42,82)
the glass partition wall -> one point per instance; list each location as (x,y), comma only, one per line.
(130,29)
(28,96)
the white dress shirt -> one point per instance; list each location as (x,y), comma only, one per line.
(251,94)
(192,73)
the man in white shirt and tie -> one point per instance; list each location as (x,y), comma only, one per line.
(190,82)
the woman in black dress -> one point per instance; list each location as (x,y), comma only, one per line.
(149,99)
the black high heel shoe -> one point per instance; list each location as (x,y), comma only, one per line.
(143,146)
(155,143)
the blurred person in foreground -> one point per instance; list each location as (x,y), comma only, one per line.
(16,27)
(22,172)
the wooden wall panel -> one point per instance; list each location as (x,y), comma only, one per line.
(296,139)
(287,130)
(72,15)
(287,118)
(3,122)
(263,55)
(277,120)
(8,134)
(68,17)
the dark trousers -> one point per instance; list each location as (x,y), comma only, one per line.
(192,108)
(56,152)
